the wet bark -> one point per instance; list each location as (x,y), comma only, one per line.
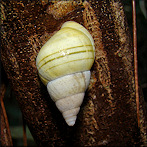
(108,114)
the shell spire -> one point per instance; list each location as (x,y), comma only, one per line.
(64,64)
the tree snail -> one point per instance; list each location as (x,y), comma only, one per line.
(64,64)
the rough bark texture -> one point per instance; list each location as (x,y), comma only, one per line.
(108,114)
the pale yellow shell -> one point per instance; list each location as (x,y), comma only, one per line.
(69,51)
(64,64)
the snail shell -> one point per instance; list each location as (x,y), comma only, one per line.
(64,64)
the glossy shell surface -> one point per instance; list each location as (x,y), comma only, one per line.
(68,51)
(64,64)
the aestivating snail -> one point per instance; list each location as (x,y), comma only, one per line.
(64,64)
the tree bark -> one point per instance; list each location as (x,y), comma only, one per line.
(108,114)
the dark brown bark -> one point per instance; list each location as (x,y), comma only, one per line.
(108,115)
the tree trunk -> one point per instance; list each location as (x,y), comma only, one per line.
(108,114)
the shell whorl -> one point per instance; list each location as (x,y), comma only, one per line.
(64,64)
(69,99)
(66,52)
